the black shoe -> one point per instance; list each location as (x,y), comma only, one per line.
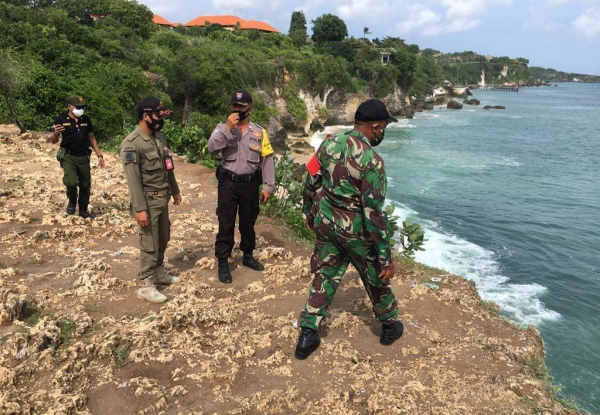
(308,342)
(71,208)
(85,214)
(224,273)
(390,332)
(250,262)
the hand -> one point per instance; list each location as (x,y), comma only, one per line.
(58,129)
(177,199)
(233,120)
(52,138)
(101,161)
(264,196)
(387,272)
(142,218)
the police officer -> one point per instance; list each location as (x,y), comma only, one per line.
(246,160)
(77,134)
(343,201)
(151,180)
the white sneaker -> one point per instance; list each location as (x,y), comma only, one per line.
(151,294)
(162,277)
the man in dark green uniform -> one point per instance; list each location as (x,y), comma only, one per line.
(151,180)
(344,196)
(77,134)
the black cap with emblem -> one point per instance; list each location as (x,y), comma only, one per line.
(241,97)
(373,110)
(152,105)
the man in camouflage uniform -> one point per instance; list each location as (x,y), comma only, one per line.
(343,201)
(151,180)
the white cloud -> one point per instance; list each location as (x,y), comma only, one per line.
(364,9)
(420,18)
(446,16)
(233,4)
(588,23)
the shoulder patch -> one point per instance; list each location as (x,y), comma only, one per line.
(129,157)
(266,149)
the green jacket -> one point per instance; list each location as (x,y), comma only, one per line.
(143,161)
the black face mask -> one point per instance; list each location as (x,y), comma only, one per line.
(243,114)
(155,125)
(377,139)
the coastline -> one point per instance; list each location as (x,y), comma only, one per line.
(76,339)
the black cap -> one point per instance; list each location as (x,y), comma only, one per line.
(241,97)
(373,110)
(74,100)
(152,105)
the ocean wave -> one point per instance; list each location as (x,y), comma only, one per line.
(317,138)
(402,123)
(520,302)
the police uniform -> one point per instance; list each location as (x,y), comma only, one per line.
(246,162)
(75,162)
(151,185)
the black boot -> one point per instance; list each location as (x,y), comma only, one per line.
(390,332)
(224,273)
(308,342)
(251,262)
(71,208)
(85,214)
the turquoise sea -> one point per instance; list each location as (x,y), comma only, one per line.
(511,199)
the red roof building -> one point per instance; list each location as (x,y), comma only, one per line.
(230,22)
(161,21)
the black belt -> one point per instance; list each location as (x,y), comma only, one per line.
(238,178)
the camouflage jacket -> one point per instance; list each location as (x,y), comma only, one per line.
(349,191)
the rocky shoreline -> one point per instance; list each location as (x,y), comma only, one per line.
(75,340)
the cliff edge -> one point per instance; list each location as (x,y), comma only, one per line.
(75,340)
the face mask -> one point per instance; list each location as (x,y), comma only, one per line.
(377,139)
(243,114)
(155,125)
(78,113)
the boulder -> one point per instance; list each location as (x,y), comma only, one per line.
(428,106)
(277,134)
(494,107)
(454,105)
(472,101)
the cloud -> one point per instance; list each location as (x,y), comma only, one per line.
(364,9)
(446,16)
(420,18)
(588,23)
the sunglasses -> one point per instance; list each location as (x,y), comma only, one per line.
(80,107)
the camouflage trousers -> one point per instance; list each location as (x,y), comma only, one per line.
(154,237)
(334,251)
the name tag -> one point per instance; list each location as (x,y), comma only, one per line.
(66,124)
(84,124)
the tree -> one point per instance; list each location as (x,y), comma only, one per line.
(366,32)
(329,28)
(9,84)
(298,28)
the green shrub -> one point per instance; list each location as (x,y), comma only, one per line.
(286,202)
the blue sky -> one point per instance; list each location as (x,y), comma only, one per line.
(561,34)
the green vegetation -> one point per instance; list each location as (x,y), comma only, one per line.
(121,353)
(297,30)
(329,28)
(30,314)
(286,204)
(66,329)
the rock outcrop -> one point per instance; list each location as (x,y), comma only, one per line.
(454,105)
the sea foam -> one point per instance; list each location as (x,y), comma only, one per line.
(520,302)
